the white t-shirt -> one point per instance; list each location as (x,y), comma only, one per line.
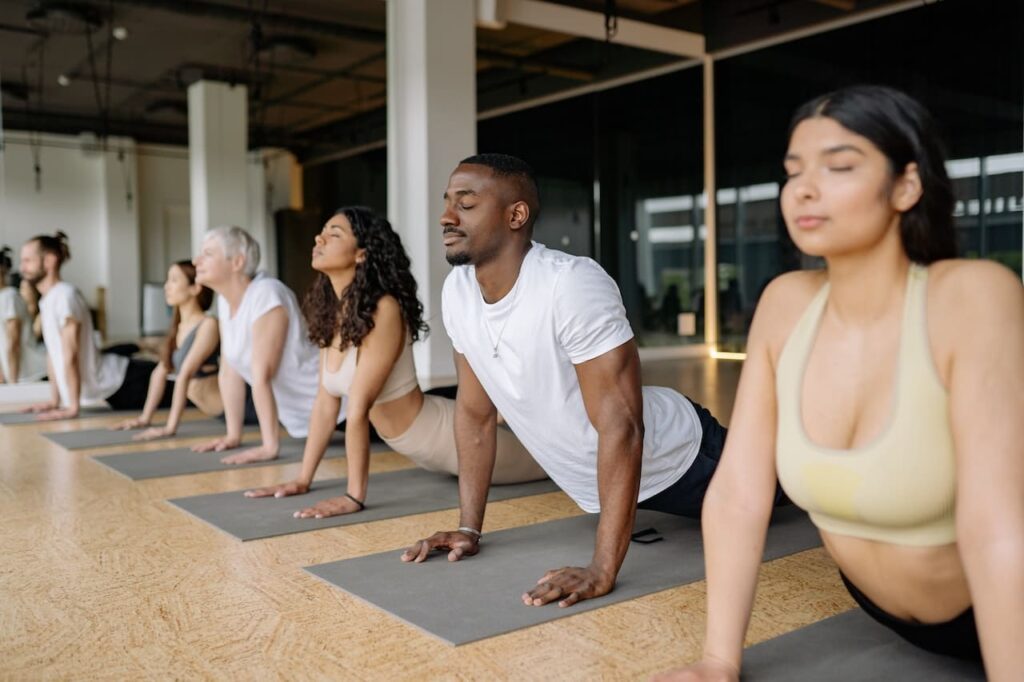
(563,311)
(298,373)
(33,353)
(100,374)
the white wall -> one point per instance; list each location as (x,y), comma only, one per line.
(164,218)
(71,198)
(115,242)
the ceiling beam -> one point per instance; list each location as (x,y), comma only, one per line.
(583,23)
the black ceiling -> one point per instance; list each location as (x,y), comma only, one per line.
(315,68)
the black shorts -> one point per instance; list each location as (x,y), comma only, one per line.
(131,394)
(957,637)
(685,497)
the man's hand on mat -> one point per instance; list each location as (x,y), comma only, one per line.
(129,424)
(282,490)
(335,506)
(260,453)
(217,445)
(457,544)
(39,407)
(61,413)
(706,670)
(569,585)
(153,433)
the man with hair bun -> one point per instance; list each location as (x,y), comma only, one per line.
(79,373)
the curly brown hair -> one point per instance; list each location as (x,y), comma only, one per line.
(385,271)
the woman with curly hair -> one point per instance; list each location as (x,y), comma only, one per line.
(363,313)
(188,359)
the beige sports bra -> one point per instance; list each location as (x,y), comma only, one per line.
(401,380)
(901,487)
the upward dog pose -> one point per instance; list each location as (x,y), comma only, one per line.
(888,393)
(188,359)
(22,358)
(542,337)
(78,372)
(363,313)
(262,343)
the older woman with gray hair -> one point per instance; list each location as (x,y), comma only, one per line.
(263,344)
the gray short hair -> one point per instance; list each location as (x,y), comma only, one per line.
(234,240)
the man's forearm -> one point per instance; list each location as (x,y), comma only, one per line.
(73,379)
(476,444)
(619,458)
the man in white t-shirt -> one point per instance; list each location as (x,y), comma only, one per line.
(263,344)
(79,373)
(542,337)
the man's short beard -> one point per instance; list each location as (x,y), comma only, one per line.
(458,258)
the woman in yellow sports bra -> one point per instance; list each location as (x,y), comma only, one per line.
(887,393)
(363,312)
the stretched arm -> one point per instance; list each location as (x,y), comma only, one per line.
(205,342)
(13,326)
(986,388)
(232,392)
(378,353)
(72,377)
(738,505)
(269,333)
(157,385)
(476,421)
(610,384)
(54,402)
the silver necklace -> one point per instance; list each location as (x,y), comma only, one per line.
(511,306)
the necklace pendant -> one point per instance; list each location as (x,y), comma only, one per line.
(495,354)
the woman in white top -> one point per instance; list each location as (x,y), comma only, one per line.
(364,314)
(22,357)
(262,343)
(188,360)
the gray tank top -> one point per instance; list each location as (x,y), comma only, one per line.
(181,352)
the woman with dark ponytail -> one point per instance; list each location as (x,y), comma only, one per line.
(363,313)
(22,358)
(887,392)
(188,359)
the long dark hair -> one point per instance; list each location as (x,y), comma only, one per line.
(204,299)
(5,264)
(385,271)
(57,244)
(904,132)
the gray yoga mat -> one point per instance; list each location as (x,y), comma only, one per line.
(850,647)
(94,438)
(11,418)
(180,461)
(479,597)
(391,494)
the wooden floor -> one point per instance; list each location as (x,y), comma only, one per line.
(101,578)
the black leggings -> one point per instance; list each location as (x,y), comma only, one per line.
(957,637)
(131,395)
(685,497)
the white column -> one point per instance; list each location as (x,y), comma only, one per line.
(120,255)
(431,126)
(217,142)
(271,187)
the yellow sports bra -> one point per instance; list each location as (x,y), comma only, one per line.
(401,380)
(901,487)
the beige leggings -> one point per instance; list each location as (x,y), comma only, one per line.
(430,443)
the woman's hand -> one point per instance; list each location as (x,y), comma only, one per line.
(705,670)
(129,424)
(154,433)
(281,490)
(335,506)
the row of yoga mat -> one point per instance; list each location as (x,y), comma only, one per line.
(668,553)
